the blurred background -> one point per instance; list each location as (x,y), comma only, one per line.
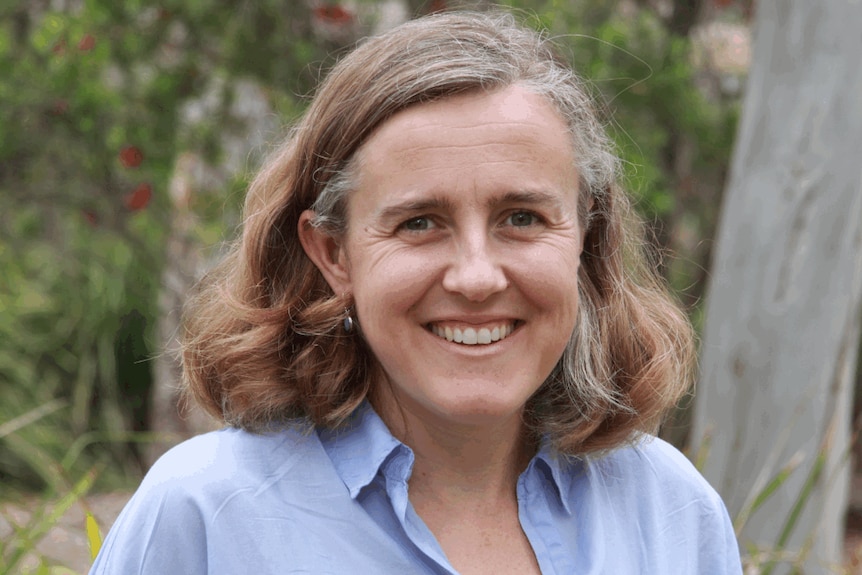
(129,130)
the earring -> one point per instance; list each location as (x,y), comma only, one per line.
(348,323)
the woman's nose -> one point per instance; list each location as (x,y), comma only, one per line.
(474,271)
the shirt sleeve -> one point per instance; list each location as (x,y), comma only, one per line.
(656,508)
(719,550)
(160,531)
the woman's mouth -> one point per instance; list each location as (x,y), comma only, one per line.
(471,335)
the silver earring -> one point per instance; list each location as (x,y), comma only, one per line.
(348,323)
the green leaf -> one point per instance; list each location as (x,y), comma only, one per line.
(94,536)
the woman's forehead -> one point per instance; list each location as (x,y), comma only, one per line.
(475,149)
(471,119)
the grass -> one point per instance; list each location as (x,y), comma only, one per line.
(20,547)
(764,561)
(27,535)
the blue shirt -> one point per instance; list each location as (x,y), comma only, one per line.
(323,502)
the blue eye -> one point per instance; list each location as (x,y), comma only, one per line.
(522,219)
(419,224)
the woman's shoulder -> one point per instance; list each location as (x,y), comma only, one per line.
(654,478)
(208,491)
(650,460)
(651,493)
(230,458)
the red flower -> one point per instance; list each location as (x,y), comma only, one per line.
(87,43)
(437,6)
(333,14)
(131,157)
(60,107)
(139,198)
(91,217)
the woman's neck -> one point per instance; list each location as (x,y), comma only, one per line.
(454,460)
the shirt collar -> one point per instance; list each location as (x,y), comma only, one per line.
(359,448)
(557,469)
(363,445)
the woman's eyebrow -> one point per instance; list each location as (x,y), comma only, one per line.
(527,197)
(410,207)
(414,206)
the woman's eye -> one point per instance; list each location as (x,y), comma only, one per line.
(522,219)
(419,224)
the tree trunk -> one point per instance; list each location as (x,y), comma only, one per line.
(249,125)
(783,312)
(170,421)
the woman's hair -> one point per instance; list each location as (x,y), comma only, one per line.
(262,342)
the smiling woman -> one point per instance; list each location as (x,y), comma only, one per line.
(431,244)
(438,343)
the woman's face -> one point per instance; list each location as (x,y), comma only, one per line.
(462,253)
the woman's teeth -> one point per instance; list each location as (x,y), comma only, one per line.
(472,336)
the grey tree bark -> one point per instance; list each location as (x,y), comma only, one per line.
(251,115)
(184,263)
(783,312)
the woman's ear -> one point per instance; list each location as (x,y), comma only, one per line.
(326,252)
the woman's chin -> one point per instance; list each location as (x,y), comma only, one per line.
(469,412)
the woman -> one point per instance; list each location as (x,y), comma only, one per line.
(437,345)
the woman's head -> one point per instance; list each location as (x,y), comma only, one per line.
(263,340)
(461,255)
(433,58)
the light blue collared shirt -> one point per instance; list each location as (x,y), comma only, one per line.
(232,502)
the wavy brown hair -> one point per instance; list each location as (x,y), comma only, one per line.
(262,341)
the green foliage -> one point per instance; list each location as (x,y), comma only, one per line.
(64,303)
(94,535)
(764,559)
(25,536)
(91,124)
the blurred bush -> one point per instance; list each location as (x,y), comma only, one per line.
(94,110)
